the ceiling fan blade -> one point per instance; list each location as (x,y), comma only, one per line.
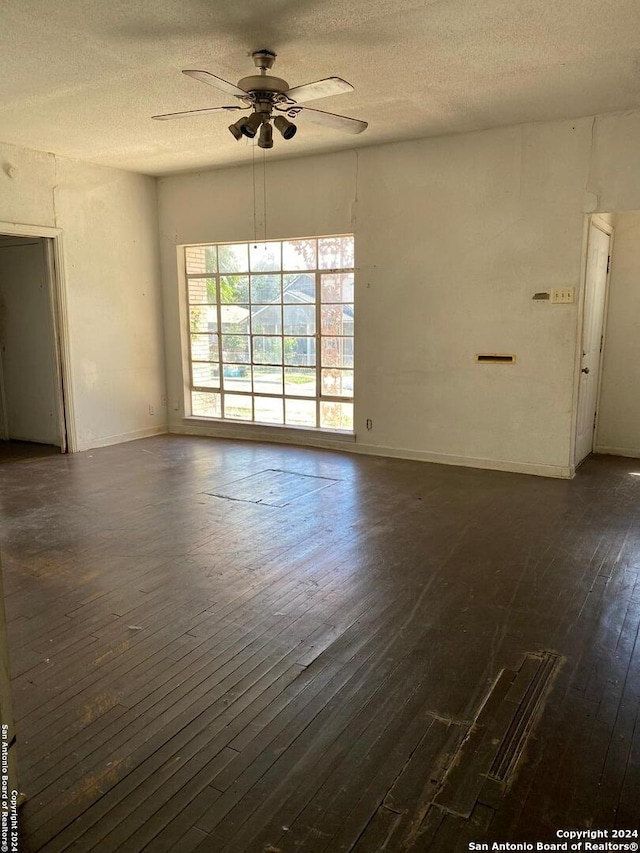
(320,89)
(218,82)
(188,113)
(337,122)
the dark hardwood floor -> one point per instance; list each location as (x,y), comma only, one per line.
(24,451)
(376,655)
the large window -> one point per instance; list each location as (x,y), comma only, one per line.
(271,331)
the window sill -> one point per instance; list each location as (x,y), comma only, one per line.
(273,432)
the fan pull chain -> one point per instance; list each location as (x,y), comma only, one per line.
(255,203)
(264,190)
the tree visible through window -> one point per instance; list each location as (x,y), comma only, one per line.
(271,331)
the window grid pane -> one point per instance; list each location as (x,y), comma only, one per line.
(271,331)
(202,290)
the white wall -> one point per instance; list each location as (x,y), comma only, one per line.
(619,405)
(110,242)
(27,343)
(453,238)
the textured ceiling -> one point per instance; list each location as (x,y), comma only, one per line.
(81,78)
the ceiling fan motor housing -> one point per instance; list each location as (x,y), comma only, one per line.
(257,83)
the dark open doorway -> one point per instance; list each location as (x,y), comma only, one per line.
(32,420)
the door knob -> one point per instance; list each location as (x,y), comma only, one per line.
(585,369)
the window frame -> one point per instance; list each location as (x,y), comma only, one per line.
(318,336)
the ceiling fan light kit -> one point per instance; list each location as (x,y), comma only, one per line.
(265,139)
(265,94)
(287,128)
(252,124)
(236,128)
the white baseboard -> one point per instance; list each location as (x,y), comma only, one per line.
(618,451)
(565,472)
(279,435)
(92,443)
(312,439)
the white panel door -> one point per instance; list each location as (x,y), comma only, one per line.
(592,336)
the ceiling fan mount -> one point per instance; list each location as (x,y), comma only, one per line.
(263,93)
(263,59)
(263,82)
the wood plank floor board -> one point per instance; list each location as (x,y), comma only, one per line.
(615,763)
(360,748)
(627,806)
(379,832)
(181,832)
(37,626)
(132,727)
(125,596)
(333,668)
(187,841)
(455,834)
(325,718)
(65,645)
(80,736)
(42,627)
(23,660)
(221,644)
(337,816)
(103,620)
(138,828)
(61,671)
(559,772)
(415,784)
(280,726)
(41,714)
(138,787)
(198,677)
(36,614)
(607,671)
(126,573)
(165,615)
(156,808)
(55,812)
(216,651)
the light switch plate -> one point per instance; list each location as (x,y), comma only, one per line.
(563,294)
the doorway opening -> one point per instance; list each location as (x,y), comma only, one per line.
(618,409)
(597,268)
(33,391)
(608,407)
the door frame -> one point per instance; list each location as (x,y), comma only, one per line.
(54,258)
(602,225)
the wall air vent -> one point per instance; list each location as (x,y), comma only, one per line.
(495,358)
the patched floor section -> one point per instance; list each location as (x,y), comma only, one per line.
(273,488)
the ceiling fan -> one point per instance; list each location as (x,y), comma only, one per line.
(265,94)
